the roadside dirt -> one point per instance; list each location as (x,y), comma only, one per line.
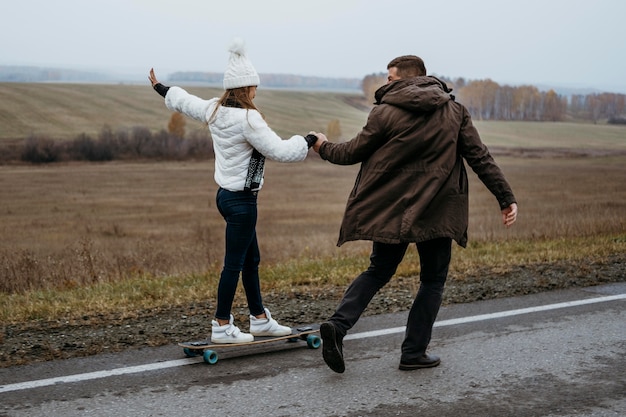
(42,341)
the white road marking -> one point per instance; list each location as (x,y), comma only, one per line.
(182,362)
(96,375)
(483,317)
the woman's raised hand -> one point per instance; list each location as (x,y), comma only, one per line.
(153,78)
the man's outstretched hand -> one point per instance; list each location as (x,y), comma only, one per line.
(509,215)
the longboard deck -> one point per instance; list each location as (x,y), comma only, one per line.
(208,349)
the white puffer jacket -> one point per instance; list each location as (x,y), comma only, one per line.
(235,133)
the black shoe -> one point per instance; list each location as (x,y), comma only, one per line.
(332,349)
(425,361)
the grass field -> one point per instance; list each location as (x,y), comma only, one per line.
(566,136)
(80,237)
(63,111)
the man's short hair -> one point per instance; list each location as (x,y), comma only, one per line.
(408,66)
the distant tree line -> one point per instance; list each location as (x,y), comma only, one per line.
(131,144)
(488,100)
(27,74)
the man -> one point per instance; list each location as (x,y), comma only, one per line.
(412,188)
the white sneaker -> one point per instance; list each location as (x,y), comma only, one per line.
(228,333)
(267,326)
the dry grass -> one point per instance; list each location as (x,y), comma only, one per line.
(121,237)
(93,238)
(81,223)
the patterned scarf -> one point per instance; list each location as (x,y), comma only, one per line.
(255,171)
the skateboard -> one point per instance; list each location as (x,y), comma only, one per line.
(210,355)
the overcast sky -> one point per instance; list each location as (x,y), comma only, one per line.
(574,43)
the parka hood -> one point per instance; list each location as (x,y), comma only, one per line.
(418,94)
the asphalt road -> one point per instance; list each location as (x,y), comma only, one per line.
(560,353)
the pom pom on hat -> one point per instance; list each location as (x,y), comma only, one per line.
(239,72)
(237,46)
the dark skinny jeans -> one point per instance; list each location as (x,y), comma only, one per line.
(239,209)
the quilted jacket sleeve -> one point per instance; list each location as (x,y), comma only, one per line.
(177,99)
(265,140)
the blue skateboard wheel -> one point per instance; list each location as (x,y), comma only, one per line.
(313,341)
(210,357)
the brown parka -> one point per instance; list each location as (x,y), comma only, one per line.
(412,185)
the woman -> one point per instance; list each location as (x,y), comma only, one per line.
(241,140)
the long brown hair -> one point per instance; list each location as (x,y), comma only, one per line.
(235,97)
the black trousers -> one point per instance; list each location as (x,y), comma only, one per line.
(384,260)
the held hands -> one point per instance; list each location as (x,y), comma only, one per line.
(509,215)
(321,138)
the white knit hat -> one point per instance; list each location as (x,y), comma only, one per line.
(240,72)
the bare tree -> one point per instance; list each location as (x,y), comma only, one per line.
(333,131)
(371,83)
(176,125)
(553,109)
